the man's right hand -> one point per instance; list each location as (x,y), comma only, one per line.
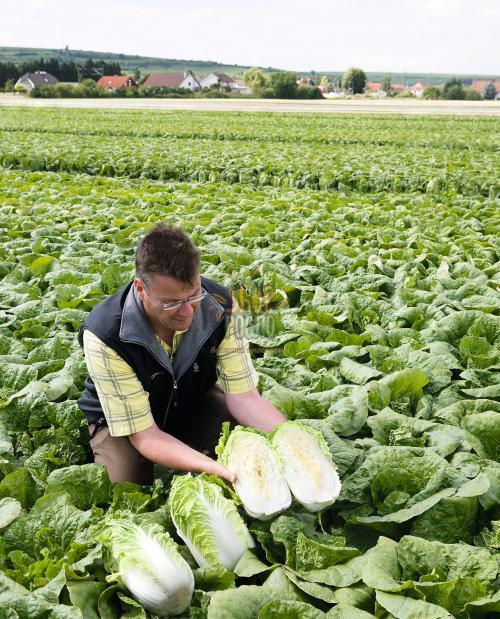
(221,471)
(165,449)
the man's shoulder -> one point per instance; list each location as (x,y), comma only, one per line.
(105,318)
(220,293)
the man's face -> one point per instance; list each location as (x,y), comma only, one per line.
(165,289)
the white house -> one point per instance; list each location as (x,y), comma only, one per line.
(240,87)
(217,80)
(417,90)
(40,78)
(178,79)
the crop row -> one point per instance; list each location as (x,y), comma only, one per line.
(446,133)
(348,167)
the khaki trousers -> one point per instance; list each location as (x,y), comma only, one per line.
(125,463)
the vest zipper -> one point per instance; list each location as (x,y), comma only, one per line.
(173,395)
(175,392)
(187,365)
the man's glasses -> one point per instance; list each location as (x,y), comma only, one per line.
(176,304)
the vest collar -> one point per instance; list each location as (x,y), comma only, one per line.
(135,328)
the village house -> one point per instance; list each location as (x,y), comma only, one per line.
(113,82)
(397,89)
(373,88)
(39,78)
(178,79)
(417,90)
(480,85)
(241,88)
(218,80)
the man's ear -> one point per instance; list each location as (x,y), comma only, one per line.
(139,288)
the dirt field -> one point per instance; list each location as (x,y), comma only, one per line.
(387,106)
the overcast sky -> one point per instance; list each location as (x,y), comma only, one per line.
(437,36)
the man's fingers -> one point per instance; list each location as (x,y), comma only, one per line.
(225,473)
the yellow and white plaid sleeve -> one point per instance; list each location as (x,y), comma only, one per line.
(234,364)
(124,402)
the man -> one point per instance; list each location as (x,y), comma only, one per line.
(154,351)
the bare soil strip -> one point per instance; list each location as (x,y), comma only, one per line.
(363,106)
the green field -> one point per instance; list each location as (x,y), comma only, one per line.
(364,251)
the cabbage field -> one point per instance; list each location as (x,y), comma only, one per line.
(364,252)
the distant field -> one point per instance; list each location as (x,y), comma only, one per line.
(128,62)
(363,106)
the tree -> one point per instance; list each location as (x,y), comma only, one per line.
(326,83)
(137,74)
(472,95)
(254,79)
(284,85)
(308,92)
(490,91)
(453,90)
(9,86)
(354,80)
(431,92)
(386,84)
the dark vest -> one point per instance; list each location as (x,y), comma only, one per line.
(176,389)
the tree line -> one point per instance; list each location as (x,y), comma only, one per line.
(65,71)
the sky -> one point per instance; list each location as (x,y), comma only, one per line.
(432,36)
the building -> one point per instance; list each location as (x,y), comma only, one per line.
(39,78)
(218,80)
(398,88)
(112,82)
(417,90)
(373,88)
(240,87)
(178,79)
(480,85)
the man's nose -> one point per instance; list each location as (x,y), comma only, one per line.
(186,309)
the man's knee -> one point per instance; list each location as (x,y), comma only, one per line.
(121,459)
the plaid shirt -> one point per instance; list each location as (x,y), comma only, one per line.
(125,403)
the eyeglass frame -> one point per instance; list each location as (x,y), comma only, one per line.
(173,305)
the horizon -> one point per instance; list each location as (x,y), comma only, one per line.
(451,37)
(318,72)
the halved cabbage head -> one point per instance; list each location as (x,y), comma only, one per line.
(260,483)
(147,560)
(209,524)
(307,465)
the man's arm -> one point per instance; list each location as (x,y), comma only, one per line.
(250,409)
(126,407)
(164,449)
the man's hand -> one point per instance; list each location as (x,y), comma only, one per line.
(250,409)
(221,471)
(172,453)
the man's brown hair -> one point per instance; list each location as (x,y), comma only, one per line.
(167,250)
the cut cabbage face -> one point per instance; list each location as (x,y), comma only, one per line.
(209,524)
(307,465)
(260,483)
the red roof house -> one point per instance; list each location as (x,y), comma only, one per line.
(112,82)
(480,85)
(372,86)
(417,89)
